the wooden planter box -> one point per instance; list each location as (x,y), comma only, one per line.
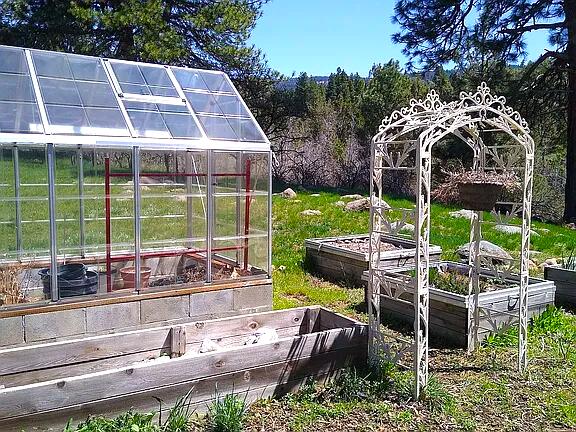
(48,383)
(339,263)
(450,313)
(565,281)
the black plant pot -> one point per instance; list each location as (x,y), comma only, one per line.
(86,282)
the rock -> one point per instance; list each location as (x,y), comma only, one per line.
(181,198)
(363,204)
(464,214)
(352,197)
(405,227)
(486,248)
(513,229)
(358,205)
(381,203)
(532,265)
(340,204)
(551,262)
(288,194)
(315,195)
(310,213)
(281,268)
(571,225)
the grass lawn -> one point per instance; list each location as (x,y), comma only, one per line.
(485,391)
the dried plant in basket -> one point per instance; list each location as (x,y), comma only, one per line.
(476,190)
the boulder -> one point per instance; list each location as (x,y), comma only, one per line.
(288,194)
(310,213)
(464,214)
(363,204)
(487,249)
(513,229)
(358,205)
(405,227)
(352,197)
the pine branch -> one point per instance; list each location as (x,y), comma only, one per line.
(529,28)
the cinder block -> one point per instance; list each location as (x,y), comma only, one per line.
(164,309)
(211,304)
(53,325)
(254,310)
(252,297)
(114,316)
(11,331)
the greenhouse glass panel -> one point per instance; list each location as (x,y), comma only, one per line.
(246,129)
(19,110)
(217,127)
(143,80)
(72,85)
(189,79)
(217,82)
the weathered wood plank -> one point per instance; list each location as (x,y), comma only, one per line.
(87,388)
(56,354)
(261,382)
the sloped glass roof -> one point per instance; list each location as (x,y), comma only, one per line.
(67,95)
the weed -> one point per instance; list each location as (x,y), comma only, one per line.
(227,413)
(436,397)
(179,417)
(127,422)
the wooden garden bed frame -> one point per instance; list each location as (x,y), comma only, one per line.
(565,281)
(451,316)
(340,263)
(46,384)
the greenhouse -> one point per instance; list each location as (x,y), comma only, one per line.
(124,181)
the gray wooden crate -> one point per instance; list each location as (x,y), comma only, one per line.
(339,263)
(46,384)
(565,281)
(450,313)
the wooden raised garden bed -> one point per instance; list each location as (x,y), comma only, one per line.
(450,312)
(565,280)
(44,385)
(347,257)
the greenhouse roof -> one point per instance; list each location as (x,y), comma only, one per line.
(53,97)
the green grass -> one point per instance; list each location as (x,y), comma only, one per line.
(295,287)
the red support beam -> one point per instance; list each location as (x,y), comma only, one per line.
(247,213)
(108,227)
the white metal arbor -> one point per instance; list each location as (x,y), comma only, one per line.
(404,142)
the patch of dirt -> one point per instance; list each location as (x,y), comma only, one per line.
(361,245)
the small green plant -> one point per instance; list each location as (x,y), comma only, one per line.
(227,413)
(127,422)
(178,419)
(569,262)
(436,397)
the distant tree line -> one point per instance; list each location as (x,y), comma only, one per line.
(321,133)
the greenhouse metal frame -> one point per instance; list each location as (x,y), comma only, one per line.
(126,119)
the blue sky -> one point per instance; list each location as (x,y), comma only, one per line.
(317,36)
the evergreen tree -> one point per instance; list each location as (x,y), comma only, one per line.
(493,32)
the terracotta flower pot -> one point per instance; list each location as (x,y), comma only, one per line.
(479,196)
(128,276)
